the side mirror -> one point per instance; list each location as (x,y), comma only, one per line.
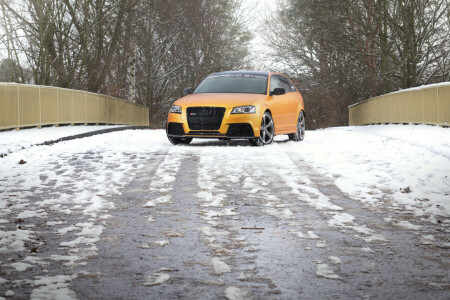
(188,90)
(278,91)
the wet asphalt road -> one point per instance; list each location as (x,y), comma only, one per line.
(191,226)
(210,253)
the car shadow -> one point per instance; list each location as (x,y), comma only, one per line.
(229,143)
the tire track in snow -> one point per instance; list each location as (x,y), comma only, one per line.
(332,202)
(405,242)
(381,217)
(161,184)
(226,213)
(248,183)
(264,181)
(63,207)
(120,264)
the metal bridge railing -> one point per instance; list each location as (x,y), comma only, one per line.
(422,105)
(24,105)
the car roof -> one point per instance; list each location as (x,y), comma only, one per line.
(242,72)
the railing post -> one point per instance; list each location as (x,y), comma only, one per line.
(40,109)
(86,109)
(98,113)
(57,108)
(73,110)
(437,106)
(18,108)
(107,110)
(410,108)
(423,108)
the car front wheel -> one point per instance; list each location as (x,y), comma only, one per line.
(267,131)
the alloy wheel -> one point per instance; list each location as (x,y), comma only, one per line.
(301,126)
(267,130)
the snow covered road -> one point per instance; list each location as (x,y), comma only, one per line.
(351,212)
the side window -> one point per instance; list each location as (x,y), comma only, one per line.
(275,82)
(278,81)
(287,84)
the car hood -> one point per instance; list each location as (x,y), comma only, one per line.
(218,99)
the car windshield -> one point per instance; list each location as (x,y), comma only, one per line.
(233,83)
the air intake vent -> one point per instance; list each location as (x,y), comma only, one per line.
(175,129)
(240,130)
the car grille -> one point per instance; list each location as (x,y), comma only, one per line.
(205,118)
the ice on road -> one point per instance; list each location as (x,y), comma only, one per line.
(350,212)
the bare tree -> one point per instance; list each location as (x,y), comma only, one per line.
(178,46)
(342,52)
(143,50)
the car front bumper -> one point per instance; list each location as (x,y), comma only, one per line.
(233,126)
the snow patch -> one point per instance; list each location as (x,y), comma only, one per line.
(297,233)
(366,249)
(159,200)
(323,270)
(20,266)
(427,239)
(70,260)
(10,293)
(53,287)
(53,223)
(65,230)
(341,219)
(321,244)
(219,267)
(235,293)
(172,233)
(407,225)
(335,260)
(32,213)
(12,241)
(209,215)
(346,220)
(97,204)
(209,231)
(161,243)
(312,235)
(156,279)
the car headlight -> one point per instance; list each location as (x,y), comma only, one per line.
(248,109)
(175,109)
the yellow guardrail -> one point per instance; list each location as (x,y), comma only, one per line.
(24,105)
(426,105)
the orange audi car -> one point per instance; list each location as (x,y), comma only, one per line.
(238,105)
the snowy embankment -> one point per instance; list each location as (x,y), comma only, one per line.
(12,140)
(406,166)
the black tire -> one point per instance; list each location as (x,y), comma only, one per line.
(299,135)
(255,142)
(178,140)
(267,131)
